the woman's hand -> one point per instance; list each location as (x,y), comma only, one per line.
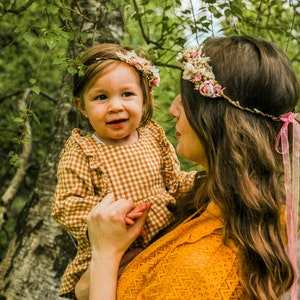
(110,235)
(114,225)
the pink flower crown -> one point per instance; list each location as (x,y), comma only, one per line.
(141,64)
(196,69)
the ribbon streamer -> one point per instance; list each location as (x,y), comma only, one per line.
(291,182)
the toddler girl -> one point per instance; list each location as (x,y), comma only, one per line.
(126,153)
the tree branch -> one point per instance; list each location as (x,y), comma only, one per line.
(18,178)
(52,99)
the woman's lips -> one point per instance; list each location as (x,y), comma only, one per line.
(177,134)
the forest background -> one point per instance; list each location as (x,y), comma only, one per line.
(40,42)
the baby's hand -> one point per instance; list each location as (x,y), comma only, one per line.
(136,213)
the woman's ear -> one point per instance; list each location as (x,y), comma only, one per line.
(78,103)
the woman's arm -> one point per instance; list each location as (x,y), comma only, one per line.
(103,275)
(110,237)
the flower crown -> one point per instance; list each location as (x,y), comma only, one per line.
(196,69)
(141,64)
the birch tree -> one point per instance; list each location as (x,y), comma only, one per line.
(39,250)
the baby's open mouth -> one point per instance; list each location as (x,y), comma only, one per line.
(117,121)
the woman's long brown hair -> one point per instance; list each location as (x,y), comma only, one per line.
(244,177)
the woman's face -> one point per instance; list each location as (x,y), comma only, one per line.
(188,145)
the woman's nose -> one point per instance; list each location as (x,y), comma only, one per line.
(173,110)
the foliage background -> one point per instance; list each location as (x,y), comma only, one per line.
(34,58)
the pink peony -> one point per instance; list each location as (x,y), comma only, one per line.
(207,89)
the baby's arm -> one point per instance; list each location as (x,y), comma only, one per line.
(75,194)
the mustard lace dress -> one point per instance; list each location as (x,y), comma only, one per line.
(190,262)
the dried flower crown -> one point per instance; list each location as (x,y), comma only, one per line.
(196,69)
(141,64)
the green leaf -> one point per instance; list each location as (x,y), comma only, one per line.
(32,81)
(58,60)
(25,141)
(18,120)
(35,118)
(72,70)
(52,9)
(13,158)
(65,35)
(16,140)
(36,89)
(29,37)
(51,43)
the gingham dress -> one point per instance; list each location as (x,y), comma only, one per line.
(145,171)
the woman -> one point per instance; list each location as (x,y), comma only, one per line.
(229,242)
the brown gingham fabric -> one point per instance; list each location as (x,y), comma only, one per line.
(145,171)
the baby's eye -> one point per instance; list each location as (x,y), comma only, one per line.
(127,94)
(101,97)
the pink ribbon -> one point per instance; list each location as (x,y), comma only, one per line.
(291,182)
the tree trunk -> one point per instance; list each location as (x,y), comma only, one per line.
(40,250)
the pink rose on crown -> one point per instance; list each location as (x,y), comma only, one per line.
(210,89)
(218,90)
(195,54)
(207,89)
(155,81)
(198,77)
